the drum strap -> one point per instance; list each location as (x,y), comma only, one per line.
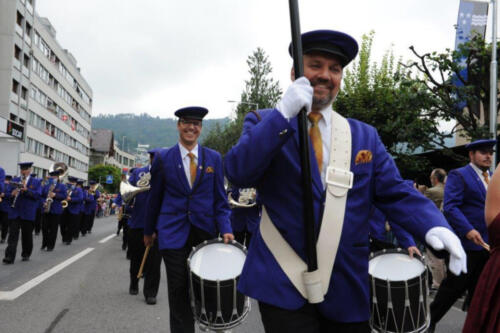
(339,179)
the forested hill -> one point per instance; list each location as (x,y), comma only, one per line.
(144,129)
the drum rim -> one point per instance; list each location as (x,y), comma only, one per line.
(396,283)
(217,240)
(397,251)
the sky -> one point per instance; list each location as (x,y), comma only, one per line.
(156,56)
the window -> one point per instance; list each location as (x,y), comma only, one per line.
(26,61)
(28,29)
(15,86)
(17,52)
(19,19)
(24,93)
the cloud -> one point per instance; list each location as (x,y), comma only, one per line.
(155,56)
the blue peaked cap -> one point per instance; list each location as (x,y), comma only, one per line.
(333,42)
(192,112)
(25,165)
(478,144)
(154,151)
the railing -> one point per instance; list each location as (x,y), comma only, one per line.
(19,30)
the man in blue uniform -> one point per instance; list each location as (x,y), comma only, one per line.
(346,184)
(25,201)
(4,211)
(136,247)
(78,221)
(187,204)
(74,199)
(90,207)
(463,206)
(56,191)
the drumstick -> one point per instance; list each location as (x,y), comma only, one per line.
(485,246)
(139,275)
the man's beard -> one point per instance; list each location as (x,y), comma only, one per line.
(321,103)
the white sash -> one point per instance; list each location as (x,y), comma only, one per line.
(314,285)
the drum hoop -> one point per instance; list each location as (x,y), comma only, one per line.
(396,251)
(215,241)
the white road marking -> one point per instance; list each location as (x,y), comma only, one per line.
(104,240)
(13,294)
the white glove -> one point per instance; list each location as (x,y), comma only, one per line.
(298,95)
(443,238)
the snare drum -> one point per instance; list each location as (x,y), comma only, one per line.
(399,292)
(214,270)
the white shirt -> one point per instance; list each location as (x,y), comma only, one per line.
(480,174)
(325,127)
(186,161)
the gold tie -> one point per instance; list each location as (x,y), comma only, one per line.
(192,168)
(486,178)
(315,135)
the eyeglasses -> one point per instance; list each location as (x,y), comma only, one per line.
(194,122)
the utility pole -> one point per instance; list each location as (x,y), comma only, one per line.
(493,80)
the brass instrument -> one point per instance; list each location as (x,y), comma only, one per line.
(247,198)
(18,186)
(128,191)
(64,203)
(61,167)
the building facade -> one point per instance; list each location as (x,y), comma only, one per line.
(105,151)
(45,102)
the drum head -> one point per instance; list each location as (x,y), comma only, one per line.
(395,267)
(217,261)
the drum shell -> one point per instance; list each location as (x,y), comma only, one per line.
(227,288)
(409,295)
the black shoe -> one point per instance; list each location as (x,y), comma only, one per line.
(151,300)
(124,247)
(2,241)
(8,261)
(43,248)
(50,249)
(26,259)
(133,290)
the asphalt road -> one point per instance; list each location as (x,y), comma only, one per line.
(90,292)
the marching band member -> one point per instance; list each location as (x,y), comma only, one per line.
(81,208)
(56,191)
(25,202)
(91,206)
(136,242)
(74,198)
(463,206)
(187,204)
(361,174)
(126,211)
(4,208)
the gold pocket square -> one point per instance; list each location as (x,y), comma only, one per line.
(363,156)
(209,169)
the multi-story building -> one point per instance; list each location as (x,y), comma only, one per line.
(141,155)
(105,151)
(45,102)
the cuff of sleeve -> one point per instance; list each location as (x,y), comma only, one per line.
(225,228)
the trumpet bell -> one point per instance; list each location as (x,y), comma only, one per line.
(247,199)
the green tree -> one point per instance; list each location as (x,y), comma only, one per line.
(99,173)
(468,103)
(384,96)
(261,92)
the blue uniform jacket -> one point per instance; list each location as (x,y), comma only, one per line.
(60,191)
(377,230)
(244,219)
(140,201)
(463,205)
(2,180)
(27,203)
(267,157)
(91,202)
(173,206)
(75,204)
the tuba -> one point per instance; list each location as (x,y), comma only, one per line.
(63,169)
(247,198)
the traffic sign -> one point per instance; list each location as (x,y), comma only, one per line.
(109,179)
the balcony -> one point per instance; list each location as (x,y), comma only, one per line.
(27,39)
(19,30)
(14,97)
(29,7)
(26,72)
(16,63)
